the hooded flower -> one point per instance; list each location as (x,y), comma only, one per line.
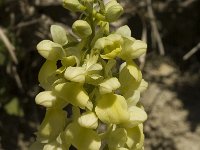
(109,46)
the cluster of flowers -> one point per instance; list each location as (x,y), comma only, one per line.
(92,84)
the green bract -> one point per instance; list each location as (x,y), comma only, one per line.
(91,98)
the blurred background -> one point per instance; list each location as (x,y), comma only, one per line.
(171,66)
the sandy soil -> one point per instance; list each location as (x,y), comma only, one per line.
(173,107)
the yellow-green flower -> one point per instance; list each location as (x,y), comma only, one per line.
(112,108)
(117,138)
(48,99)
(135,137)
(132,48)
(82,138)
(91,103)
(46,74)
(49,50)
(109,85)
(109,46)
(88,120)
(53,123)
(130,78)
(77,97)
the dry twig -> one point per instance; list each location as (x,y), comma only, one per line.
(28,23)
(8,45)
(155,27)
(142,59)
(191,52)
(11,50)
(187,3)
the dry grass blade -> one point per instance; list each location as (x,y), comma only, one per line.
(8,45)
(155,27)
(191,52)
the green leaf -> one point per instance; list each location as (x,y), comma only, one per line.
(13,108)
(59,34)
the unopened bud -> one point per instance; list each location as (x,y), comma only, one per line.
(81,28)
(49,50)
(73,5)
(113,11)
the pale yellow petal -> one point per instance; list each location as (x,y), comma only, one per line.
(112,108)
(88,120)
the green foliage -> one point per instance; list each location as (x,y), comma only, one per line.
(13,108)
(86,81)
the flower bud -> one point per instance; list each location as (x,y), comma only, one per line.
(59,35)
(49,50)
(73,5)
(45,98)
(81,28)
(109,85)
(88,120)
(113,11)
